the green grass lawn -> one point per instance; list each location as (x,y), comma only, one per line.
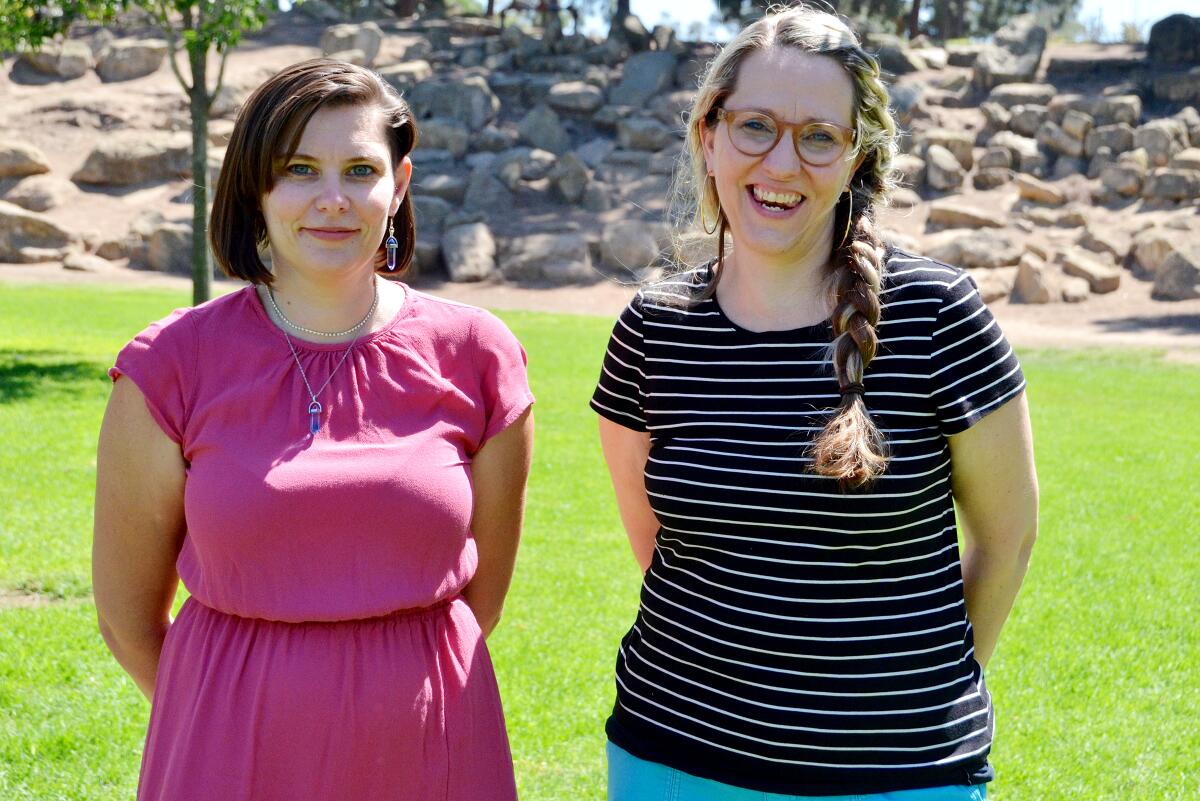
(1096,681)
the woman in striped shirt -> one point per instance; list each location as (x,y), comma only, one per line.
(808,624)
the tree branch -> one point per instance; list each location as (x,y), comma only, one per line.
(172,44)
(220,78)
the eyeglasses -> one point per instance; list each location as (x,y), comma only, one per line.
(755,133)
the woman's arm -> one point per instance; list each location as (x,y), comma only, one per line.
(499,471)
(139,529)
(996,492)
(625,452)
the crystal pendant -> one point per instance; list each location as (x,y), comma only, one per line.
(314,417)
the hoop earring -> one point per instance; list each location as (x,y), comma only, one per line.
(849,217)
(704,217)
(392,246)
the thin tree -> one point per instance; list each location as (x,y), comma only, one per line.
(195,27)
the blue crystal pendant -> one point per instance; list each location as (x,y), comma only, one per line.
(314,417)
(392,246)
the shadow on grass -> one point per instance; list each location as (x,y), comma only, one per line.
(25,374)
(1172,323)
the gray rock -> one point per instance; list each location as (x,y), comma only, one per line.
(1105,241)
(1034,282)
(960,143)
(1056,140)
(596,197)
(366,37)
(133,157)
(450,188)
(128,59)
(407,74)
(595,151)
(18,159)
(557,258)
(1179,276)
(113,249)
(493,140)
(1077,124)
(1066,166)
(432,159)
(991,177)
(953,213)
(486,193)
(1025,153)
(1118,138)
(1187,159)
(1011,95)
(1190,118)
(978,250)
(1037,191)
(1172,184)
(1014,55)
(1162,139)
(1178,88)
(1102,276)
(1175,39)
(672,108)
(430,213)
(943,172)
(645,75)
(570,177)
(469,100)
(642,133)
(69,59)
(899,60)
(902,198)
(26,236)
(1122,179)
(1099,160)
(629,246)
(575,97)
(1026,119)
(995,116)
(469,252)
(41,192)
(541,127)
(906,101)
(996,158)
(169,248)
(445,133)
(910,170)
(994,283)
(1119,108)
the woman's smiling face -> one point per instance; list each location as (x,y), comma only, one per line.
(779,207)
(328,209)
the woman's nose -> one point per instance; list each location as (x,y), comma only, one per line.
(332,196)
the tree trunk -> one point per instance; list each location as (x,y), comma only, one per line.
(201,270)
(622,11)
(914,20)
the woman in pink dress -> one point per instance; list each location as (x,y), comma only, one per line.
(334,465)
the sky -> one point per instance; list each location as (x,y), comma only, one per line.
(1112,13)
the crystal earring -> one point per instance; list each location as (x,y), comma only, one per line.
(392,246)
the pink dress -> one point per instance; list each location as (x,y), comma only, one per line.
(325,652)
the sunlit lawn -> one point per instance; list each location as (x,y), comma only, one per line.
(1097,680)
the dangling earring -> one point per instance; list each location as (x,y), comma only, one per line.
(849,217)
(704,217)
(392,246)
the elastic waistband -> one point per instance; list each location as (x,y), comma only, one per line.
(437,608)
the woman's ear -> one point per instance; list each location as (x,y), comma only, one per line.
(403,178)
(707,143)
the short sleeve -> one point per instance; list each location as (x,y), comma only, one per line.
(974,369)
(159,361)
(621,391)
(503,375)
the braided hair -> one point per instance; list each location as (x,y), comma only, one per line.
(850,448)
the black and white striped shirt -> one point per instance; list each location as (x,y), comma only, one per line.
(793,638)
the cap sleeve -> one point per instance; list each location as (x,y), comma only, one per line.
(974,368)
(621,391)
(158,361)
(504,382)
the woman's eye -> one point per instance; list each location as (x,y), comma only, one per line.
(300,169)
(758,125)
(362,171)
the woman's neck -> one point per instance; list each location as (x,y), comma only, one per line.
(327,306)
(773,296)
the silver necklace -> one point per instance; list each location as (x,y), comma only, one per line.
(331,334)
(315,408)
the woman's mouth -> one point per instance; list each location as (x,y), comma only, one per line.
(776,204)
(331,234)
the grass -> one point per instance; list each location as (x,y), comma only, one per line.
(1096,681)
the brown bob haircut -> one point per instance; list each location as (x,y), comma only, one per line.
(268,131)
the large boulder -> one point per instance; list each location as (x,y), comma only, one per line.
(570,178)
(134,157)
(127,59)
(1118,138)
(644,76)
(486,193)
(1021,94)
(643,133)
(469,100)
(18,159)
(942,171)
(951,212)
(445,133)
(1175,40)
(1178,88)
(450,188)
(575,97)
(406,74)
(28,237)
(41,192)
(69,59)
(169,248)
(1101,275)
(469,252)
(1014,55)
(1162,139)
(1172,184)
(366,37)
(555,258)
(1034,282)
(1179,276)
(541,127)
(629,247)
(960,143)
(1152,247)
(977,250)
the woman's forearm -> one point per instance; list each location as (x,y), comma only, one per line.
(991,581)
(138,654)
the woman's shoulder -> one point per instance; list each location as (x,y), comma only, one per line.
(913,278)
(674,291)
(448,321)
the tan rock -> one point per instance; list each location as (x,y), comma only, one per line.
(1102,277)
(977,249)
(1034,282)
(994,284)
(1106,241)
(910,169)
(1172,184)
(1179,276)
(127,59)
(991,177)
(1122,179)
(1037,191)
(69,59)
(904,198)
(954,213)
(1187,159)
(18,159)
(1075,289)
(41,192)
(1077,125)
(86,263)
(960,144)
(942,172)
(133,157)
(1152,247)
(996,157)
(27,237)
(469,252)
(1055,139)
